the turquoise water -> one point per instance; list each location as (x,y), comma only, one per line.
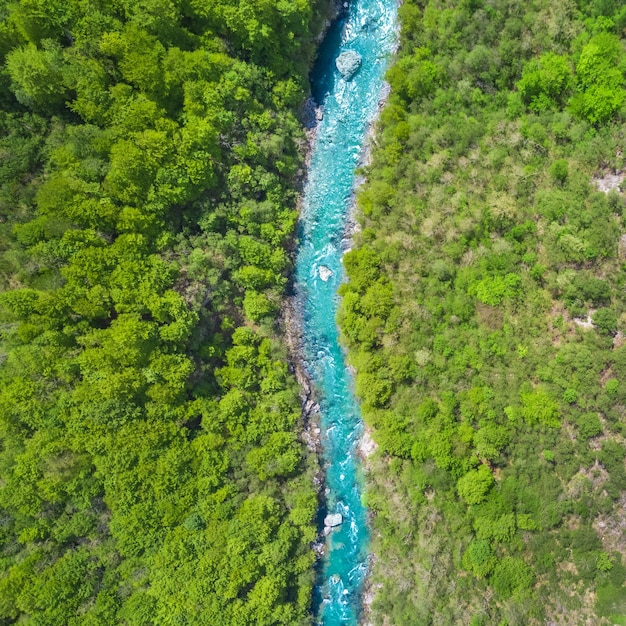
(368,27)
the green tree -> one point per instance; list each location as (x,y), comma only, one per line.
(600,79)
(474,486)
(37,75)
(511,576)
(605,321)
(546,82)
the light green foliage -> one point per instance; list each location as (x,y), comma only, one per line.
(605,321)
(278,457)
(257,305)
(37,75)
(600,76)
(474,486)
(538,406)
(605,562)
(497,408)
(494,289)
(479,558)
(559,170)
(511,576)
(545,82)
(415,77)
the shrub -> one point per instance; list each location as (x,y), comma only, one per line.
(559,171)
(494,289)
(545,82)
(605,321)
(479,558)
(474,486)
(601,81)
(511,576)
(589,425)
(538,406)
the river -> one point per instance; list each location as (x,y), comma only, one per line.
(369,28)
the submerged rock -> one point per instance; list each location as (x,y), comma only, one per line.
(348,63)
(325,272)
(334,519)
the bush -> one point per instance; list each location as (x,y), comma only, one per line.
(511,576)
(605,321)
(600,79)
(474,486)
(494,289)
(570,396)
(545,82)
(194,522)
(479,558)
(559,171)
(589,425)
(538,406)
(257,305)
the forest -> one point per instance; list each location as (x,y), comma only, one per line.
(485,315)
(151,470)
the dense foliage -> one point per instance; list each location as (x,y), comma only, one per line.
(150,470)
(485,316)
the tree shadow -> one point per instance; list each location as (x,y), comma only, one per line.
(324,73)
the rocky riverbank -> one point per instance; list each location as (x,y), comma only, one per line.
(320,252)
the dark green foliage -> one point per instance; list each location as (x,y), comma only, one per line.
(150,470)
(511,576)
(605,321)
(500,268)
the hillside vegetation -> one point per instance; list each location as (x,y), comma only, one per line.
(485,315)
(150,468)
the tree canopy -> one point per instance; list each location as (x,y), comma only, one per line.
(150,468)
(485,313)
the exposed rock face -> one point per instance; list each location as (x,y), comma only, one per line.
(348,63)
(610,181)
(334,519)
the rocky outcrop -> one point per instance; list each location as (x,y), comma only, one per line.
(325,272)
(333,519)
(348,63)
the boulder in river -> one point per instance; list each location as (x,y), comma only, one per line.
(333,519)
(325,272)
(348,63)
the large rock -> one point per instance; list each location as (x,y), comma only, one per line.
(325,273)
(332,520)
(348,63)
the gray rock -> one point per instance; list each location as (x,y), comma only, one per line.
(348,63)
(325,272)
(334,519)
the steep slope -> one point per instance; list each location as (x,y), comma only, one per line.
(485,315)
(150,466)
